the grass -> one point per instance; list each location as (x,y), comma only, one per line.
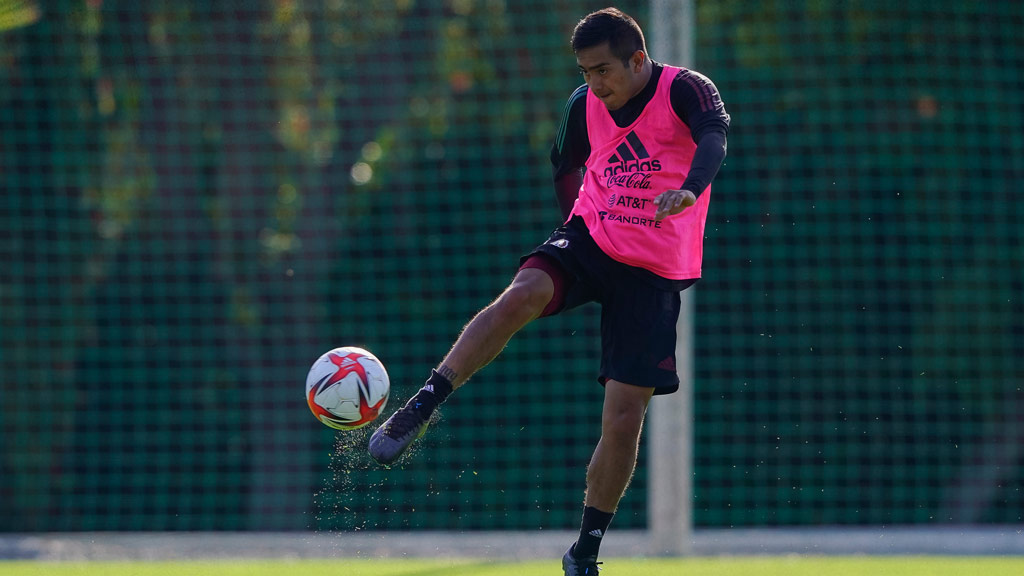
(762,566)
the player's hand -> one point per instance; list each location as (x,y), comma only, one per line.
(673,202)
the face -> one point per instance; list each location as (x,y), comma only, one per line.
(606,76)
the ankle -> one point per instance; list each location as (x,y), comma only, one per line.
(438,386)
(595,524)
(433,393)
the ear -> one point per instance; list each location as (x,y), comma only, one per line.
(637,60)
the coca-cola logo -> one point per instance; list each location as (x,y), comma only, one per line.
(637,180)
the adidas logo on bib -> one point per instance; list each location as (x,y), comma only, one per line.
(631,157)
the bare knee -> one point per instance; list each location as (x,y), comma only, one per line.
(623,423)
(624,410)
(526,297)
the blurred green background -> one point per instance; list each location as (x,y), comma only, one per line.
(199,198)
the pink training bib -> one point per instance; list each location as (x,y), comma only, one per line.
(627,168)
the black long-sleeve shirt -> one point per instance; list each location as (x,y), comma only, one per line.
(694,98)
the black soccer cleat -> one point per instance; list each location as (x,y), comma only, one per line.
(574,566)
(394,436)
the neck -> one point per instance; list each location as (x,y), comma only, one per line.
(646,69)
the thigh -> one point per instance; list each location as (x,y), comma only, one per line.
(570,257)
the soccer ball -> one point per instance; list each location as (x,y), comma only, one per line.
(347,388)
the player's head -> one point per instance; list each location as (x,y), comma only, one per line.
(611,25)
(611,54)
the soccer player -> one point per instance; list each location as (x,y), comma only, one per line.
(638,147)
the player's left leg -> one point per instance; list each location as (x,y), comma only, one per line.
(614,459)
(611,468)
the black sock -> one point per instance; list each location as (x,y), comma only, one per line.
(433,393)
(595,524)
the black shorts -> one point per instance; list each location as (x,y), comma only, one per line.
(638,317)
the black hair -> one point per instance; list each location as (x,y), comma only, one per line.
(613,26)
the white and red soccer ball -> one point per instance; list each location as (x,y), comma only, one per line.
(347,387)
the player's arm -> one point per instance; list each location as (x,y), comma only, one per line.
(570,151)
(696,101)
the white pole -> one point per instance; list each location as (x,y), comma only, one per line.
(670,488)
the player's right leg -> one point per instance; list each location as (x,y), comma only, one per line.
(479,343)
(490,330)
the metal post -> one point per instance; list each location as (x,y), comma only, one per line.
(670,489)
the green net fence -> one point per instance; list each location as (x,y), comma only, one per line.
(199,198)
(859,334)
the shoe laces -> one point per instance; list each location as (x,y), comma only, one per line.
(404,421)
(586,567)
